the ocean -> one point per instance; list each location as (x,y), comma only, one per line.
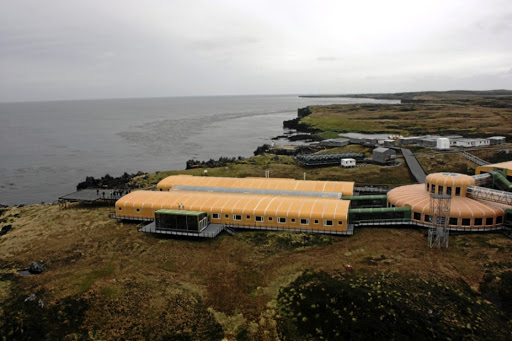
(47,148)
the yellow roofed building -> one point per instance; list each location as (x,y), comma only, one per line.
(340,187)
(242,210)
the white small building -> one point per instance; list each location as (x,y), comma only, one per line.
(348,163)
(443,143)
(466,143)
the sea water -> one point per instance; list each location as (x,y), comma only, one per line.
(47,148)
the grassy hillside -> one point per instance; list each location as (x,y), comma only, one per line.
(285,167)
(105,280)
(435,113)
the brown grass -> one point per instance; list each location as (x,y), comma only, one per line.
(133,278)
(469,118)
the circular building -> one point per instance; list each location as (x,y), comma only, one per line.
(466,213)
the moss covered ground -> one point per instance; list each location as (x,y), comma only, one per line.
(440,115)
(105,280)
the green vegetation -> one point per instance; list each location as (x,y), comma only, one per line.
(285,167)
(442,114)
(385,306)
(105,280)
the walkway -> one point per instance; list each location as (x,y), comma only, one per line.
(474,159)
(414,165)
(210,232)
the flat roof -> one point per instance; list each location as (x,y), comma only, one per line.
(180,212)
(91,195)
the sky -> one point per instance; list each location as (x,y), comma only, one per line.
(60,50)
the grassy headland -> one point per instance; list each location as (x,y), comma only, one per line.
(104,280)
(423,113)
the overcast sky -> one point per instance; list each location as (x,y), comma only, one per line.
(59,49)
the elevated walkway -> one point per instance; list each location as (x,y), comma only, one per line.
(215,229)
(473,158)
(89,196)
(211,231)
(494,195)
(414,166)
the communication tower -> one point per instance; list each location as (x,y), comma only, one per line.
(440,210)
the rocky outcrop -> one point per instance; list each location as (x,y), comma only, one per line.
(36,267)
(297,125)
(221,162)
(5,229)
(107,181)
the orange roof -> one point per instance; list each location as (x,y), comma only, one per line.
(418,199)
(502,165)
(143,204)
(450,179)
(345,188)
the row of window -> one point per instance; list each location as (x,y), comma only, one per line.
(440,189)
(280,220)
(464,221)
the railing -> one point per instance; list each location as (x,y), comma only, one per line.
(347,231)
(489,194)
(380,222)
(482,179)
(473,158)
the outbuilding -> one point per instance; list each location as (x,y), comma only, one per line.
(496,140)
(348,163)
(467,143)
(383,155)
(335,142)
(443,143)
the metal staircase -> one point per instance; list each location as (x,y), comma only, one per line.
(230,230)
(473,158)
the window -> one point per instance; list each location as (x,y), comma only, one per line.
(161,189)
(499,219)
(440,190)
(466,222)
(259,218)
(449,190)
(304,221)
(427,218)
(216,216)
(488,221)
(316,221)
(457,190)
(120,208)
(340,223)
(417,216)
(281,220)
(453,221)
(478,221)
(248,217)
(428,187)
(226,216)
(138,209)
(269,218)
(237,217)
(327,222)
(293,220)
(433,188)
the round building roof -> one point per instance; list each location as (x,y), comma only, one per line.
(418,199)
(450,179)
